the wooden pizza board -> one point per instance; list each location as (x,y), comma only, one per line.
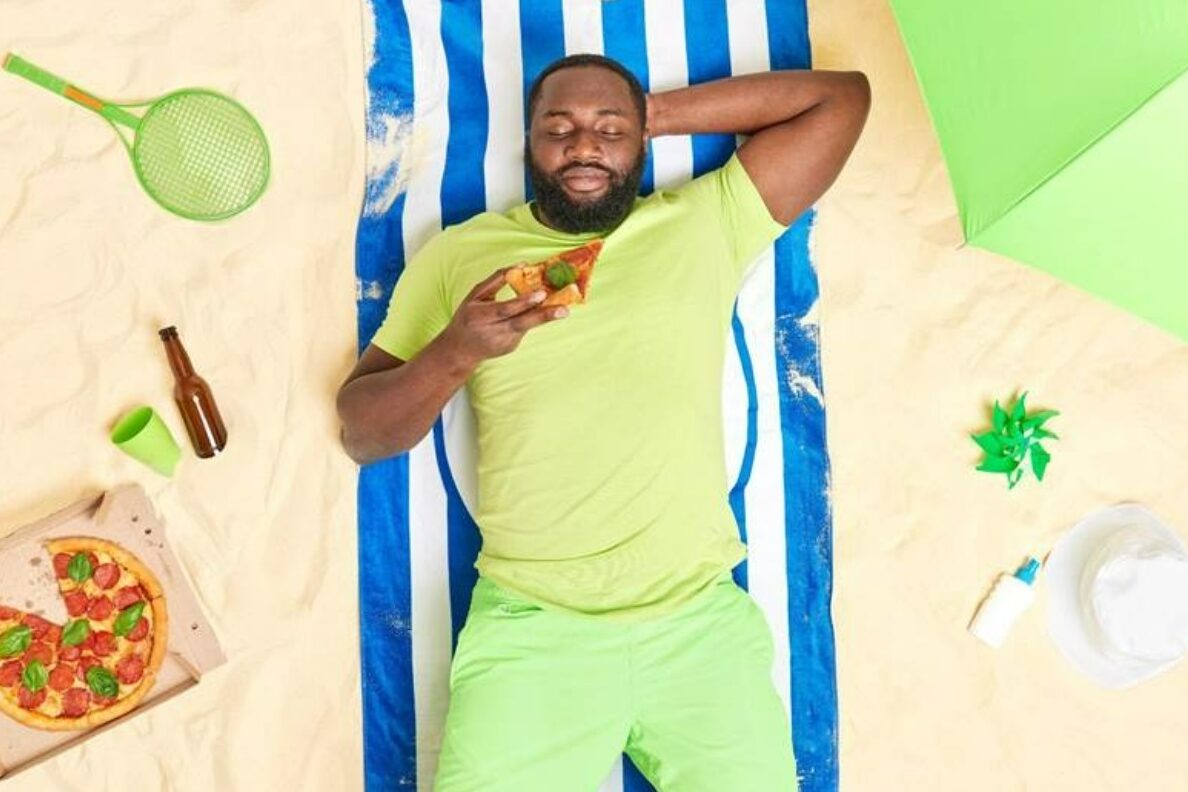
(123,515)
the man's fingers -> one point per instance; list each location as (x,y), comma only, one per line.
(514,307)
(486,288)
(537,316)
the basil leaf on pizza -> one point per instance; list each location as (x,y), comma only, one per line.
(15,640)
(80,568)
(561,275)
(76,632)
(102,682)
(127,619)
(34,676)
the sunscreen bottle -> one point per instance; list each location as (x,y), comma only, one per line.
(1011,595)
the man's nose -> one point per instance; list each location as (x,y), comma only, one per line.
(584,146)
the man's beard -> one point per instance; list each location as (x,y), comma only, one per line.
(573,217)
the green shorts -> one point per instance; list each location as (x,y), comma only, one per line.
(543,701)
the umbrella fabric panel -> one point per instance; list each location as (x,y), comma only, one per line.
(1115,221)
(1017,89)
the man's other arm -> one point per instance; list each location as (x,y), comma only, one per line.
(802,126)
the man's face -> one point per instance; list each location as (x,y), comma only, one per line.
(585,150)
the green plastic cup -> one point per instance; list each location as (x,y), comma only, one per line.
(142,435)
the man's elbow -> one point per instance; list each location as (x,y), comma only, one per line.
(357,444)
(358,452)
(364,448)
(856,92)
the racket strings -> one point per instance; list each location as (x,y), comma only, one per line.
(201,155)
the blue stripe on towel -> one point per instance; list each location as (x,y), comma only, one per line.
(738,503)
(542,24)
(809,531)
(623,39)
(463,195)
(385,598)
(806,466)
(462,540)
(463,188)
(708,48)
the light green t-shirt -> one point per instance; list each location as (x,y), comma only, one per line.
(602,484)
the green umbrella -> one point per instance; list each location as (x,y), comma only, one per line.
(1064,125)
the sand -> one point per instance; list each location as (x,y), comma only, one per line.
(265,304)
(918,336)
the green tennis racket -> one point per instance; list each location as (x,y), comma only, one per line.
(197,153)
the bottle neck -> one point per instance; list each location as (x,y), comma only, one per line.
(179,361)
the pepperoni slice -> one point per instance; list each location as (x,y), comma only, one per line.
(130,669)
(85,665)
(61,678)
(37,625)
(70,653)
(10,673)
(39,650)
(126,596)
(8,613)
(75,702)
(106,575)
(62,564)
(76,603)
(88,643)
(100,608)
(139,631)
(105,643)
(30,700)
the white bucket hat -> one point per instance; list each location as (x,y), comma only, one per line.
(1118,596)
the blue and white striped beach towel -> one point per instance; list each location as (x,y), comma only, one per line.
(447,81)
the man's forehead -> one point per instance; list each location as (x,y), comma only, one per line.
(584,89)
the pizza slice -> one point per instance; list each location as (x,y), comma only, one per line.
(565,277)
(102,662)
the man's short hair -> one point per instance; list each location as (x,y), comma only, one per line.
(638,97)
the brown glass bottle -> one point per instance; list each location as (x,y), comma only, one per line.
(194,399)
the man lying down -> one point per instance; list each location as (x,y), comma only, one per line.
(605,619)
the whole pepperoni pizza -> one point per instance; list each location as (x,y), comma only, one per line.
(103,660)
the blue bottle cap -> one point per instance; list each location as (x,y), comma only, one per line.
(1026,573)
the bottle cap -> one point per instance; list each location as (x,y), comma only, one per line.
(167,332)
(1026,573)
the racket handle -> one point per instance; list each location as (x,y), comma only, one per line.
(35,74)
